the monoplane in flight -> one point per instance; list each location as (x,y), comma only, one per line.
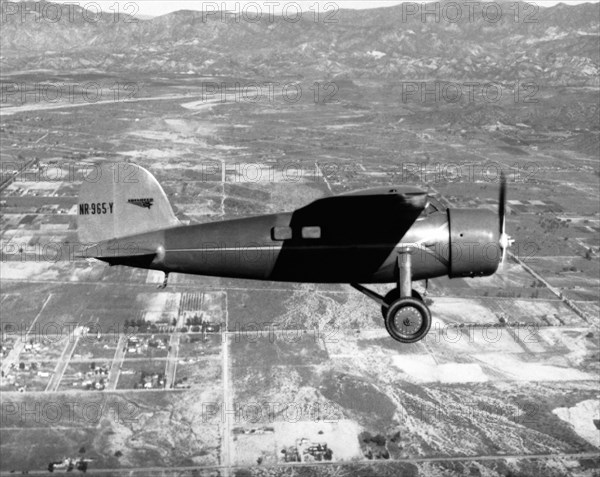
(395,234)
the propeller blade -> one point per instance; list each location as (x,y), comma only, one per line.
(505,240)
(502,202)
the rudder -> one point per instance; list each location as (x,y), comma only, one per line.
(121,199)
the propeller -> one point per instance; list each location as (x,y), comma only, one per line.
(505,240)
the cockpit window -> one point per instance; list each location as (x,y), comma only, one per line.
(433,206)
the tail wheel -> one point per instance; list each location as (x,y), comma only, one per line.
(408,320)
(394,295)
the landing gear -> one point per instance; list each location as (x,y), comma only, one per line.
(393,295)
(408,320)
(407,317)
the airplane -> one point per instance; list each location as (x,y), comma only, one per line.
(396,234)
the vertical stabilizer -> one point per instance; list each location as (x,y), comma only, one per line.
(121,199)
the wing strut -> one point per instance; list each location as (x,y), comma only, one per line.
(370,293)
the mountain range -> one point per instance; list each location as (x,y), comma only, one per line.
(557,45)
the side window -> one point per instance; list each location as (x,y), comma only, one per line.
(281,233)
(311,232)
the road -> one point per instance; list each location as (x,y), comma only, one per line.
(227,417)
(115,367)
(567,301)
(172,470)
(13,355)
(171,366)
(63,362)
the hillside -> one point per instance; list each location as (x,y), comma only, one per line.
(552,46)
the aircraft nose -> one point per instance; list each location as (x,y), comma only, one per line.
(474,242)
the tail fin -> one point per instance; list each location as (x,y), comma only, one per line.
(120,199)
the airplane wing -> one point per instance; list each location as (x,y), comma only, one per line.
(410,195)
(380,215)
(357,232)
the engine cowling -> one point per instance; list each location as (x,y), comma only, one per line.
(474,242)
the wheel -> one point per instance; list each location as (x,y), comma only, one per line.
(394,295)
(408,320)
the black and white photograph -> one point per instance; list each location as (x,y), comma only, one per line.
(302,238)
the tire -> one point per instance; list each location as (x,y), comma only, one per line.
(412,328)
(394,295)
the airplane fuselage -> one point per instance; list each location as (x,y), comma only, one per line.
(250,248)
